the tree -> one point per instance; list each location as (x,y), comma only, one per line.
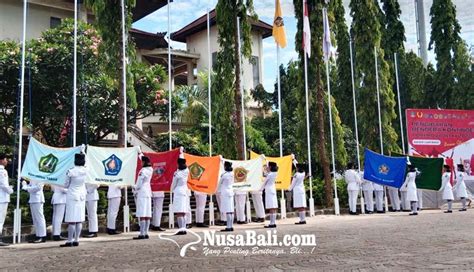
(393,34)
(108,18)
(367,33)
(226,91)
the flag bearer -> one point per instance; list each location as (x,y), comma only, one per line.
(447,188)
(378,189)
(158,198)
(114,196)
(299,194)
(227,195)
(143,197)
(35,190)
(460,187)
(240,200)
(353,186)
(5,191)
(201,199)
(410,188)
(368,191)
(271,204)
(59,208)
(92,199)
(179,188)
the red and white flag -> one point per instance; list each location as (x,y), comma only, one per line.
(306,30)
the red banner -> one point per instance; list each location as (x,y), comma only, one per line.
(164,165)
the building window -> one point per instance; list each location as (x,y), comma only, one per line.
(54,22)
(255,70)
(214,60)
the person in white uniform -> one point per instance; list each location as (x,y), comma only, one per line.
(368,191)
(59,208)
(404,203)
(179,188)
(201,200)
(158,198)
(36,201)
(227,195)
(114,197)
(142,191)
(460,187)
(92,199)
(271,204)
(378,190)
(410,188)
(299,193)
(353,181)
(5,191)
(75,200)
(257,200)
(447,188)
(240,201)
(188,217)
(394,198)
(222,217)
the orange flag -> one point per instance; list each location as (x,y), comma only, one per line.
(204,173)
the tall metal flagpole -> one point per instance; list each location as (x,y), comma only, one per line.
(209,69)
(74,95)
(399,103)
(170,74)
(126,208)
(362,202)
(380,117)
(308,133)
(17,213)
(280,129)
(242,87)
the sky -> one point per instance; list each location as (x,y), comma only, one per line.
(184,12)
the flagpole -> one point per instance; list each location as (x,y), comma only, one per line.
(169,79)
(242,88)
(399,103)
(74,83)
(308,133)
(126,208)
(362,202)
(209,68)
(17,213)
(380,117)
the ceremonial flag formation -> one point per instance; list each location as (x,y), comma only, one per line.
(384,170)
(204,173)
(248,175)
(164,165)
(284,174)
(430,171)
(48,164)
(111,166)
(279,26)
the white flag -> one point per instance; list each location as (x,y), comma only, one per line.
(327,46)
(306,30)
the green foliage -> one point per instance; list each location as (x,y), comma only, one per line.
(393,34)
(188,139)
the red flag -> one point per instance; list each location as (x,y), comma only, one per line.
(164,165)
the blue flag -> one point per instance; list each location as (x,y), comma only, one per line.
(384,170)
(48,164)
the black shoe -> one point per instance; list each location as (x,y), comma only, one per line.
(380,212)
(3,244)
(59,238)
(67,244)
(146,236)
(260,220)
(90,235)
(241,222)
(228,229)
(414,213)
(181,232)
(270,226)
(75,244)
(201,225)
(369,212)
(157,229)
(398,210)
(448,211)
(300,223)
(112,232)
(463,210)
(38,240)
(139,237)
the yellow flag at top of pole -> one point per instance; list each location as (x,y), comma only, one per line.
(278,26)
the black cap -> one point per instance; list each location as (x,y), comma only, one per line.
(461,167)
(272,164)
(181,161)
(146,161)
(227,164)
(79,159)
(411,168)
(301,167)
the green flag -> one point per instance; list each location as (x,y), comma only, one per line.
(431,170)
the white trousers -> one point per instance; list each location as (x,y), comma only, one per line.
(3,215)
(419,193)
(38,219)
(112,211)
(188,216)
(240,201)
(379,200)
(353,200)
(394,199)
(222,215)
(369,200)
(58,217)
(200,207)
(157,211)
(257,200)
(404,204)
(92,220)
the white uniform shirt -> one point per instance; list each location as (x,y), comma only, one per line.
(75,182)
(143,186)
(5,189)
(352,179)
(59,195)
(460,186)
(35,189)
(366,184)
(297,183)
(377,187)
(114,191)
(179,185)
(196,193)
(158,194)
(92,193)
(269,184)
(225,186)
(446,186)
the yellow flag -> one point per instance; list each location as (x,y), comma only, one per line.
(279,26)
(284,174)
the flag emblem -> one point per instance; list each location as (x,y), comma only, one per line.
(48,163)
(384,169)
(240,174)
(196,171)
(112,165)
(279,26)
(279,21)
(159,169)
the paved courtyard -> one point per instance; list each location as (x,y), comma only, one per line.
(393,241)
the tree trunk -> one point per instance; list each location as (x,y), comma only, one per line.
(328,190)
(238,98)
